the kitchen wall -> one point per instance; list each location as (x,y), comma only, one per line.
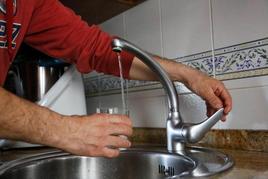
(187,31)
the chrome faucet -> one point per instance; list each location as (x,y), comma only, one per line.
(178,133)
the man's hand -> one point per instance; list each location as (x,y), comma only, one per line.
(212,91)
(95,135)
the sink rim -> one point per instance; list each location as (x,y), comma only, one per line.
(58,154)
(194,172)
(228,161)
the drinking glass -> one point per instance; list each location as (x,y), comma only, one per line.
(114,110)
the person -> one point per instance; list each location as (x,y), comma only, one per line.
(55,30)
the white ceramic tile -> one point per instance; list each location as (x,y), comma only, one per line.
(249,109)
(243,83)
(144,111)
(186,27)
(114,26)
(92,104)
(148,112)
(108,101)
(143,26)
(148,108)
(249,104)
(193,109)
(237,21)
(182,89)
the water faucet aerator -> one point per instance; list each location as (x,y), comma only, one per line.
(117,49)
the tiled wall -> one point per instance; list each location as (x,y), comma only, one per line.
(181,30)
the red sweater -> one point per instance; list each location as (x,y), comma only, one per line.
(56,31)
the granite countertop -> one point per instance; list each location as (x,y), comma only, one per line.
(248,165)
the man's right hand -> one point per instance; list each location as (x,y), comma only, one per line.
(94,135)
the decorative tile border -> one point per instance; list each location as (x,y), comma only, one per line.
(108,85)
(238,61)
(239,58)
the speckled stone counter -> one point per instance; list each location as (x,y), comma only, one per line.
(228,139)
(248,165)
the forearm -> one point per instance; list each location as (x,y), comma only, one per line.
(26,121)
(176,71)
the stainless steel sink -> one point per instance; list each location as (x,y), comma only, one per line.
(131,164)
(208,161)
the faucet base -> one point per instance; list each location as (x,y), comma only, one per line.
(178,148)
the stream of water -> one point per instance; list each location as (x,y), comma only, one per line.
(122,84)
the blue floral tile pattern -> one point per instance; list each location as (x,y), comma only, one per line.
(242,60)
(229,62)
(249,59)
(106,84)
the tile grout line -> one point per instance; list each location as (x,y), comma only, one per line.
(161,28)
(212,37)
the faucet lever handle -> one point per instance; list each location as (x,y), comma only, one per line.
(195,132)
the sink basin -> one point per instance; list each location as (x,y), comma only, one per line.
(131,164)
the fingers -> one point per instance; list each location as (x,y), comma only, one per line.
(119,129)
(213,100)
(103,152)
(109,140)
(217,98)
(211,111)
(103,147)
(110,153)
(116,142)
(95,135)
(227,100)
(109,146)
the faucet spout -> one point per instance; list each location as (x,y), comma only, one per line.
(178,133)
(119,44)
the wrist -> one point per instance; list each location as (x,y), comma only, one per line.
(192,77)
(178,71)
(47,128)
(186,74)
